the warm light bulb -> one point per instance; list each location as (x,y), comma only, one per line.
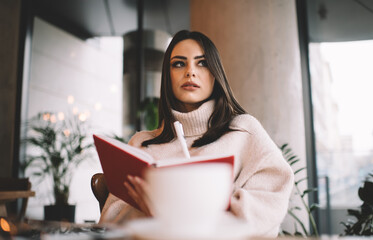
(82,117)
(61,116)
(66,132)
(70,99)
(46,116)
(75,110)
(53,118)
(4,225)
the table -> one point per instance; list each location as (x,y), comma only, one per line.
(7,196)
(53,230)
(56,230)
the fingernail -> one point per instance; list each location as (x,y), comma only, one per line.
(138,179)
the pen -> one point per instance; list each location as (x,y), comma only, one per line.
(180,136)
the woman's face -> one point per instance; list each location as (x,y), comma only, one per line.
(192,81)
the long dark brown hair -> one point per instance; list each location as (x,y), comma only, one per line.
(226,106)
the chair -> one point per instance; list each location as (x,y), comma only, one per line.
(99,188)
(18,188)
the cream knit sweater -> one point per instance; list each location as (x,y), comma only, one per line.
(262,178)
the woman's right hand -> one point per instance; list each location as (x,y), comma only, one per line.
(137,189)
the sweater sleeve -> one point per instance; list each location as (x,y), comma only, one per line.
(116,211)
(263,184)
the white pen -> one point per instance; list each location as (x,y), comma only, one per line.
(180,136)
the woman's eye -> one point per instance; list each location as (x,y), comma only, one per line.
(178,64)
(202,63)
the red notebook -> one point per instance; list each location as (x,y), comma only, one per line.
(118,160)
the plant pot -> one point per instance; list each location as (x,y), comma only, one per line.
(59,213)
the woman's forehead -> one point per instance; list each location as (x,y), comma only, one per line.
(187,48)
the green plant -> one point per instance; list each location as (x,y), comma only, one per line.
(363,226)
(58,148)
(149,111)
(292,159)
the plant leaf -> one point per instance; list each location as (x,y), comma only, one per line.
(294,162)
(300,169)
(283,146)
(308,191)
(301,180)
(314,206)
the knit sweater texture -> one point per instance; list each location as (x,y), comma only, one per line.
(263,180)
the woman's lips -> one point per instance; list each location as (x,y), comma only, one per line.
(190,86)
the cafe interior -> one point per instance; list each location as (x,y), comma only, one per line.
(78,68)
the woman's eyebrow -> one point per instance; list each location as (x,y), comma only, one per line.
(198,57)
(185,58)
(180,57)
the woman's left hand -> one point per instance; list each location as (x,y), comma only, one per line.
(138,192)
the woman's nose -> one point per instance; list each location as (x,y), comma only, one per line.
(190,72)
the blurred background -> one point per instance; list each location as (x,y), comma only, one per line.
(301,67)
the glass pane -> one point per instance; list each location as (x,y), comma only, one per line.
(342,86)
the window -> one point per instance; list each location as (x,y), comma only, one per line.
(342,87)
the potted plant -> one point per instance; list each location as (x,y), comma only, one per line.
(363,226)
(59,146)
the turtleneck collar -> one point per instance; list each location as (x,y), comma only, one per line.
(195,122)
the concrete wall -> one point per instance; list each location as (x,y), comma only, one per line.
(9,39)
(258,42)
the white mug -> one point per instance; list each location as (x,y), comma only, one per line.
(188,200)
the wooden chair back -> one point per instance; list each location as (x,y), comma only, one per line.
(99,189)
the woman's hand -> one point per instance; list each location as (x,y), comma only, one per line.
(138,192)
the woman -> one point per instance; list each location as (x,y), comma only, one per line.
(195,91)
